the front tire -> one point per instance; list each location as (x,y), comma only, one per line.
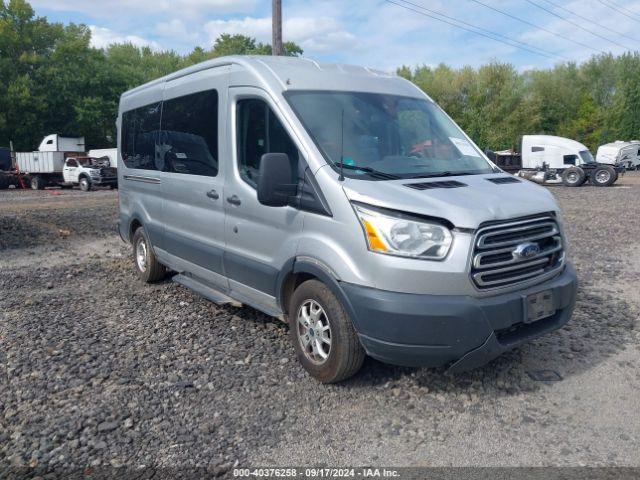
(147,266)
(603,176)
(85,184)
(322,334)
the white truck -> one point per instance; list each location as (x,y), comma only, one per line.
(622,153)
(551,159)
(110,153)
(59,161)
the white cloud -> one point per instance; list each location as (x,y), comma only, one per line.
(114,8)
(313,34)
(177,30)
(102,37)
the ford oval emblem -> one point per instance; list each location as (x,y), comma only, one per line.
(526,250)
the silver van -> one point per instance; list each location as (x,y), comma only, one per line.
(344,201)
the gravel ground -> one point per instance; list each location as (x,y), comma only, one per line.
(98,369)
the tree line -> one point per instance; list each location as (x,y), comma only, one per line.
(53,81)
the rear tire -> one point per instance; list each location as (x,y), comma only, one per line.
(603,176)
(147,266)
(573,177)
(37,183)
(322,334)
(85,184)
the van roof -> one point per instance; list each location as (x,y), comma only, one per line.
(296,73)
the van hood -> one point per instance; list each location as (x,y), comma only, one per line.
(478,201)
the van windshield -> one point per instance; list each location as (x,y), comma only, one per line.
(388,136)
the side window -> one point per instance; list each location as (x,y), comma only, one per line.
(188,142)
(50,142)
(537,149)
(72,163)
(140,127)
(570,159)
(258,131)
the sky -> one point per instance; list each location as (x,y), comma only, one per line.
(373,33)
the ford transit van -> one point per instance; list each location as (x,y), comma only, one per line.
(344,201)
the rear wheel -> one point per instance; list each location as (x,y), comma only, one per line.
(322,334)
(603,176)
(147,266)
(85,184)
(573,177)
(37,183)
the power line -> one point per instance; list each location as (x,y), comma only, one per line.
(577,25)
(469,30)
(568,39)
(509,39)
(613,6)
(588,20)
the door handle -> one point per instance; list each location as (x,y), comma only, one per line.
(234,200)
(213,194)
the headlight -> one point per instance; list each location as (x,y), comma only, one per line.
(397,235)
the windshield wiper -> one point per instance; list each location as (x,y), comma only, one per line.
(443,174)
(371,171)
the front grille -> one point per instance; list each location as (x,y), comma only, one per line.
(517,251)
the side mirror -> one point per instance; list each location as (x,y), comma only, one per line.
(274,180)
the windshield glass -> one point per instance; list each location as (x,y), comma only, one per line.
(586,156)
(401,137)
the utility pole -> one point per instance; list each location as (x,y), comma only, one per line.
(276,29)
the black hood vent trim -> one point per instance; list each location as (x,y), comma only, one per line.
(502,180)
(432,185)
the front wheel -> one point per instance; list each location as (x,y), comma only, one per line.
(322,334)
(603,176)
(85,184)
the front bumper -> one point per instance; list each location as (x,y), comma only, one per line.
(460,331)
(104,180)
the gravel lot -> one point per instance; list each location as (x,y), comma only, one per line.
(98,369)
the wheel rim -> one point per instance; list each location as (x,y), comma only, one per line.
(572,177)
(141,255)
(83,184)
(603,176)
(314,331)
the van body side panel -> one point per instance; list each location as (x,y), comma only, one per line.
(260,240)
(193,217)
(139,190)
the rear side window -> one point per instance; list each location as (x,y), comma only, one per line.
(188,142)
(140,127)
(537,149)
(570,159)
(72,163)
(258,132)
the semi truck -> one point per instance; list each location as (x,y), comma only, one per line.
(59,161)
(552,159)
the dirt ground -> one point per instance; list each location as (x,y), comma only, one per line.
(98,369)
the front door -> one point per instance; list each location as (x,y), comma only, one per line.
(70,171)
(192,126)
(260,239)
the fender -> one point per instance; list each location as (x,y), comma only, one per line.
(321,272)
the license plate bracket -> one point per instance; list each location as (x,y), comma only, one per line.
(538,306)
